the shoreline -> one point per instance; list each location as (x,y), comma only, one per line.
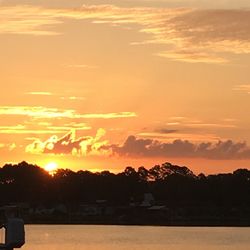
(240,225)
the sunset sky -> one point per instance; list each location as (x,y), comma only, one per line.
(105,84)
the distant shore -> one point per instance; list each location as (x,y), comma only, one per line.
(165,195)
(146,225)
(179,223)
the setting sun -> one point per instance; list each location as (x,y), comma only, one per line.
(51,167)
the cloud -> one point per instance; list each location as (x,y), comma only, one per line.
(166,131)
(26,20)
(39,93)
(187,123)
(9,146)
(31,131)
(173,123)
(73,98)
(189,35)
(44,93)
(16,127)
(44,112)
(202,33)
(37,112)
(21,129)
(68,144)
(180,136)
(210,125)
(12,146)
(221,150)
(243,88)
(200,3)
(109,115)
(192,56)
(67,128)
(32,127)
(77,125)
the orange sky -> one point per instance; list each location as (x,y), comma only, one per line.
(106,84)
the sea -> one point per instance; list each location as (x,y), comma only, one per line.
(94,237)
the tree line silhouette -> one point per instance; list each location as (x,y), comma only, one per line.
(169,184)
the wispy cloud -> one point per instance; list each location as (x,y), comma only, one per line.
(32,131)
(192,56)
(44,112)
(185,122)
(16,127)
(27,20)
(73,98)
(173,123)
(166,131)
(243,88)
(76,125)
(8,146)
(194,137)
(37,112)
(109,115)
(21,129)
(221,150)
(67,128)
(190,35)
(39,93)
(210,125)
(45,93)
(34,127)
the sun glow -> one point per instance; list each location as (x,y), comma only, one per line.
(51,167)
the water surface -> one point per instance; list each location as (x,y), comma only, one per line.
(82,237)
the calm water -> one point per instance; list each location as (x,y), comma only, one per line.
(43,237)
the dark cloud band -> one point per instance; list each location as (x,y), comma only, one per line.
(222,150)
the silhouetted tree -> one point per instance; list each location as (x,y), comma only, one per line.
(170,184)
